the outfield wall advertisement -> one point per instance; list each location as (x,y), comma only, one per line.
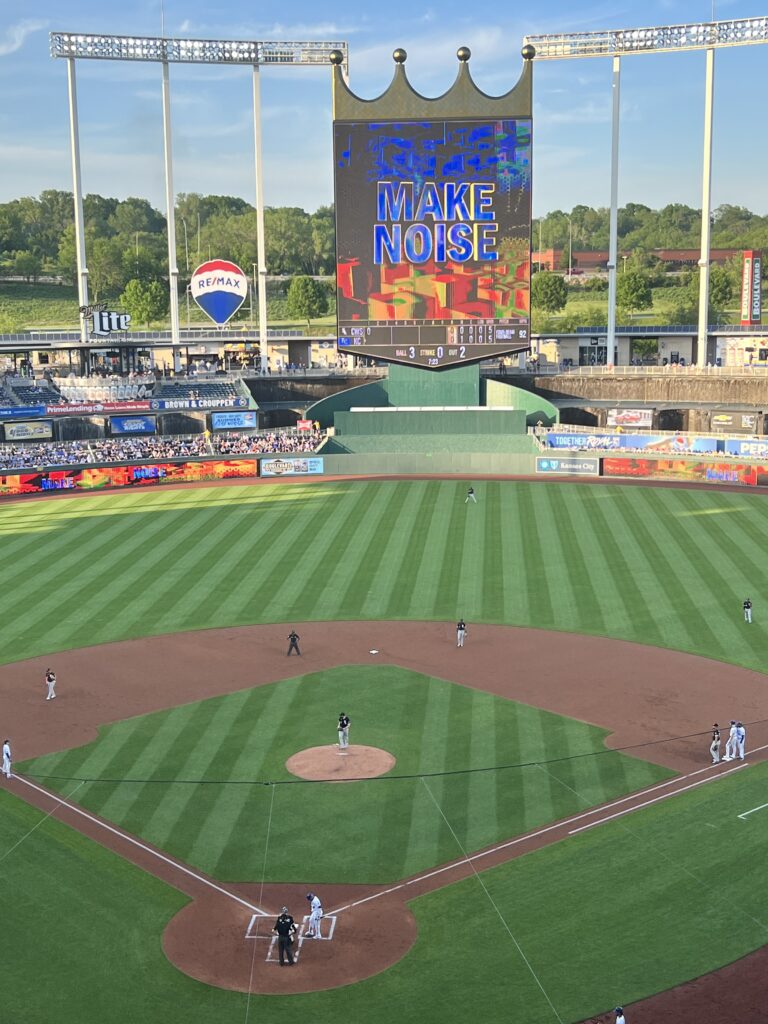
(291,467)
(92,478)
(234,420)
(644,442)
(569,466)
(753,474)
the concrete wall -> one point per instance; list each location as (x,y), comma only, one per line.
(459,464)
(678,386)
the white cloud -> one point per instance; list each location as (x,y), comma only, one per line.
(14,36)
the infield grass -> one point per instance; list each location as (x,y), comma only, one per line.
(374,831)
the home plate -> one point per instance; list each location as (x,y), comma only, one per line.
(373,652)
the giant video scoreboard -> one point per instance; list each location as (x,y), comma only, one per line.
(433,239)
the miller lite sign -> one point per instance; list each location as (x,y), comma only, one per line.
(751,284)
(104,321)
(219,288)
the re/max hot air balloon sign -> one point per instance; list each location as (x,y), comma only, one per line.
(219,288)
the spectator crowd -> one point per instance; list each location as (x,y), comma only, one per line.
(141,449)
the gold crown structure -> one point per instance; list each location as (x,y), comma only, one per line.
(462,100)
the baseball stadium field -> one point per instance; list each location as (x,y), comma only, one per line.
(528,827)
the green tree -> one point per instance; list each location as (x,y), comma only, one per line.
(549,292)
(145,301)
(27,265)
(105,267)
(307,299)
(633,291)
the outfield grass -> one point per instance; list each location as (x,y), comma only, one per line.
(661,566)
(376,831)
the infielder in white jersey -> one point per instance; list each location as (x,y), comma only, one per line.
(731,744)
(316,913)
(7,759)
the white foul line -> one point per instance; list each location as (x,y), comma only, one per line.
(647,803)
(543,831)
(147,849)
(746,814)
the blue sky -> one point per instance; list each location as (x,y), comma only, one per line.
(120,116)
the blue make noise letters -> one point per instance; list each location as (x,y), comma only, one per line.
(453,221)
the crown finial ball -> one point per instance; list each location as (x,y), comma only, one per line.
(528,52)
(463,53)
(336,57)
(399,56)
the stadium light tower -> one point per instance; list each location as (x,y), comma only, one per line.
(708,36)
(73,46)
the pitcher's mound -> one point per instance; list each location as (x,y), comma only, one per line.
(330,765)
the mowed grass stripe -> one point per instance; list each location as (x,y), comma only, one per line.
(201,752)
(324,537)
(666,599)
(471,584)
(374,536)
(726,577)
(233,812)
(427,830)
(401,595)
(191,554)
(130,572)
(633,617)
(269,549)
(491,578)
(482,825)
(450,542)
(710,591)
(392,556)
(203,607)
(535,577)
(214,757)
(511,562)
(43,601)
(344,558)
(139,801)
(584,583)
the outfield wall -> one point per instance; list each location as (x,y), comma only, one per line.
(693,470)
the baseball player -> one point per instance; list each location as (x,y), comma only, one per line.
(7,758)
(470,496)
(741,739)
(747,610)
(293,642)
(461,632)
(620,1019)
(50,679)
(343,733)
(714,747)
(316,913)
(731,743)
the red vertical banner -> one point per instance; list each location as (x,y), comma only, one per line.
(751,294)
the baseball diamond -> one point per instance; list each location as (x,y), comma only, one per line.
(536,824)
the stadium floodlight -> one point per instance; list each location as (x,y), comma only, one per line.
(656,39)
(194,51)
(74,46)
(618,43)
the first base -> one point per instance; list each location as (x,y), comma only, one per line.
(373,652)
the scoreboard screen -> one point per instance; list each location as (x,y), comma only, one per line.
(433,239)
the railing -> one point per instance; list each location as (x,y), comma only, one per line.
(670,370)
(664,329)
